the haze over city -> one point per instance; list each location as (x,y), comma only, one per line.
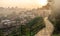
(23,3)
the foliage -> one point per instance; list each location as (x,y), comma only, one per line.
(1,32)
(30,29)
(56,35)
(56,22)
(35,25)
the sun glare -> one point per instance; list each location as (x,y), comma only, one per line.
(43,2)
(23,3)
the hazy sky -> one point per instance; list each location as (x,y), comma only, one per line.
(23,3)
(57,4)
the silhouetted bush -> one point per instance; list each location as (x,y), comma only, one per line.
(56,22)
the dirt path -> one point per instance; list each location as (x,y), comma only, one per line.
(47,31)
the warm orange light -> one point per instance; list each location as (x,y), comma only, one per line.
(23,3)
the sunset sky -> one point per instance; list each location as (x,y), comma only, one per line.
(23,3)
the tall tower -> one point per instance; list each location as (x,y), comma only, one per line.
(51,5)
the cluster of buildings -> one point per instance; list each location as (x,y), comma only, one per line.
(8,16)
